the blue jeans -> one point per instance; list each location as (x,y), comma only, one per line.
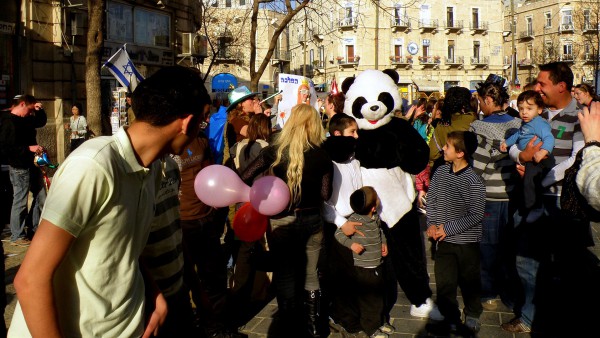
(495,223)
(24,180)
(527,268)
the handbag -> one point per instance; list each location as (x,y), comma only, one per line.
(572,201)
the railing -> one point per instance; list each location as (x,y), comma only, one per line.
(566,58)
(525,63)
(589,57)
(457,60)
(283,55)
(479,60)
(348,22)
(403,22)
(348,60)
(454,24)
(479,26)
(589,27)
(320,64)
(428,24)
(400,59)
(227,55)
(566,27)
(528,34)
(429,59)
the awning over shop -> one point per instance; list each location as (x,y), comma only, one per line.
(224,82)
(427,85)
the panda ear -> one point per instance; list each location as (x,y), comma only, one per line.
(393,74)
(347,83)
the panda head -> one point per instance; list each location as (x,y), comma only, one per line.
(372,97)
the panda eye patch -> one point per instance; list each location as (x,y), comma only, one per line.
(387,100)
(357,105)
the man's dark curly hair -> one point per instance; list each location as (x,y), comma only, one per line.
(456,101)
(496,92)
(168,94)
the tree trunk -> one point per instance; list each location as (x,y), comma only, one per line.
(95,42)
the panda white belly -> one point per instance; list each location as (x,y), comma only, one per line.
(396,191)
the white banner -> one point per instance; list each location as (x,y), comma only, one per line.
(295,89)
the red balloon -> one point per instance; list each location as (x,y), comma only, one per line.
(248,224)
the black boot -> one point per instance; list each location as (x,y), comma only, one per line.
(313,311)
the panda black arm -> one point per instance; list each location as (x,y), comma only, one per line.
(412,151)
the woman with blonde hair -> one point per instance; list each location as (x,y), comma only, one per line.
(297,158)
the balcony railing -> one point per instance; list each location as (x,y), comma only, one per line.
(457,60)
(348,60)
(348,22)
(401,60)
(428,24)
(590,57)
(524,63)
(565,58)
(225,55)
(319,64)
(478,61)
(400,22)
(479,26)
(566,28)
(590,28)
(282,55)
(429,60)
(525,35)
(453,25)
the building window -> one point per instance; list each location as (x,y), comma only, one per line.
(215,3)
(227,3)
(398,52)
(451,50)
(350,53)
(321,53)
(568,48)
(450,16)
(475,17)
(311,56)
(242,2)
(586,19)
(425,14)
(529,23)
(476,46)
(548,50)
(567,17)
(399,14)
(426,43)
(529,51)
(548,19)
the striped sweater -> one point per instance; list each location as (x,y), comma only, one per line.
(568,141)
(496,169)
(372,241)
(456,200)
(163,253)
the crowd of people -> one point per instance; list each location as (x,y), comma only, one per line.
(123,246)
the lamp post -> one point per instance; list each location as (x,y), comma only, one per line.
(514,49)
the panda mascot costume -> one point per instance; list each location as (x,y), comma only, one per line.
(390,150)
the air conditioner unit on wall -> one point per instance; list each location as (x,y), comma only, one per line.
(192,44)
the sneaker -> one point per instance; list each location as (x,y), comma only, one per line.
(387,328)
(473,324)
(426,310)
(24,242)
(516,325)
(490,304)
(379,334)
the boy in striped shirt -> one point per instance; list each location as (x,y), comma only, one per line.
(368,248)
(455,207)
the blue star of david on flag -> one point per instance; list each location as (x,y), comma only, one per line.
(123,69)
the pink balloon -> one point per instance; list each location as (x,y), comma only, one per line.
(269,195)
(219,186)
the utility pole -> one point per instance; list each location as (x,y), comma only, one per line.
(514,50)
(305,41)
(376,34)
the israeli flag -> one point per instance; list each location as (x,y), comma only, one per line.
(123,69)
